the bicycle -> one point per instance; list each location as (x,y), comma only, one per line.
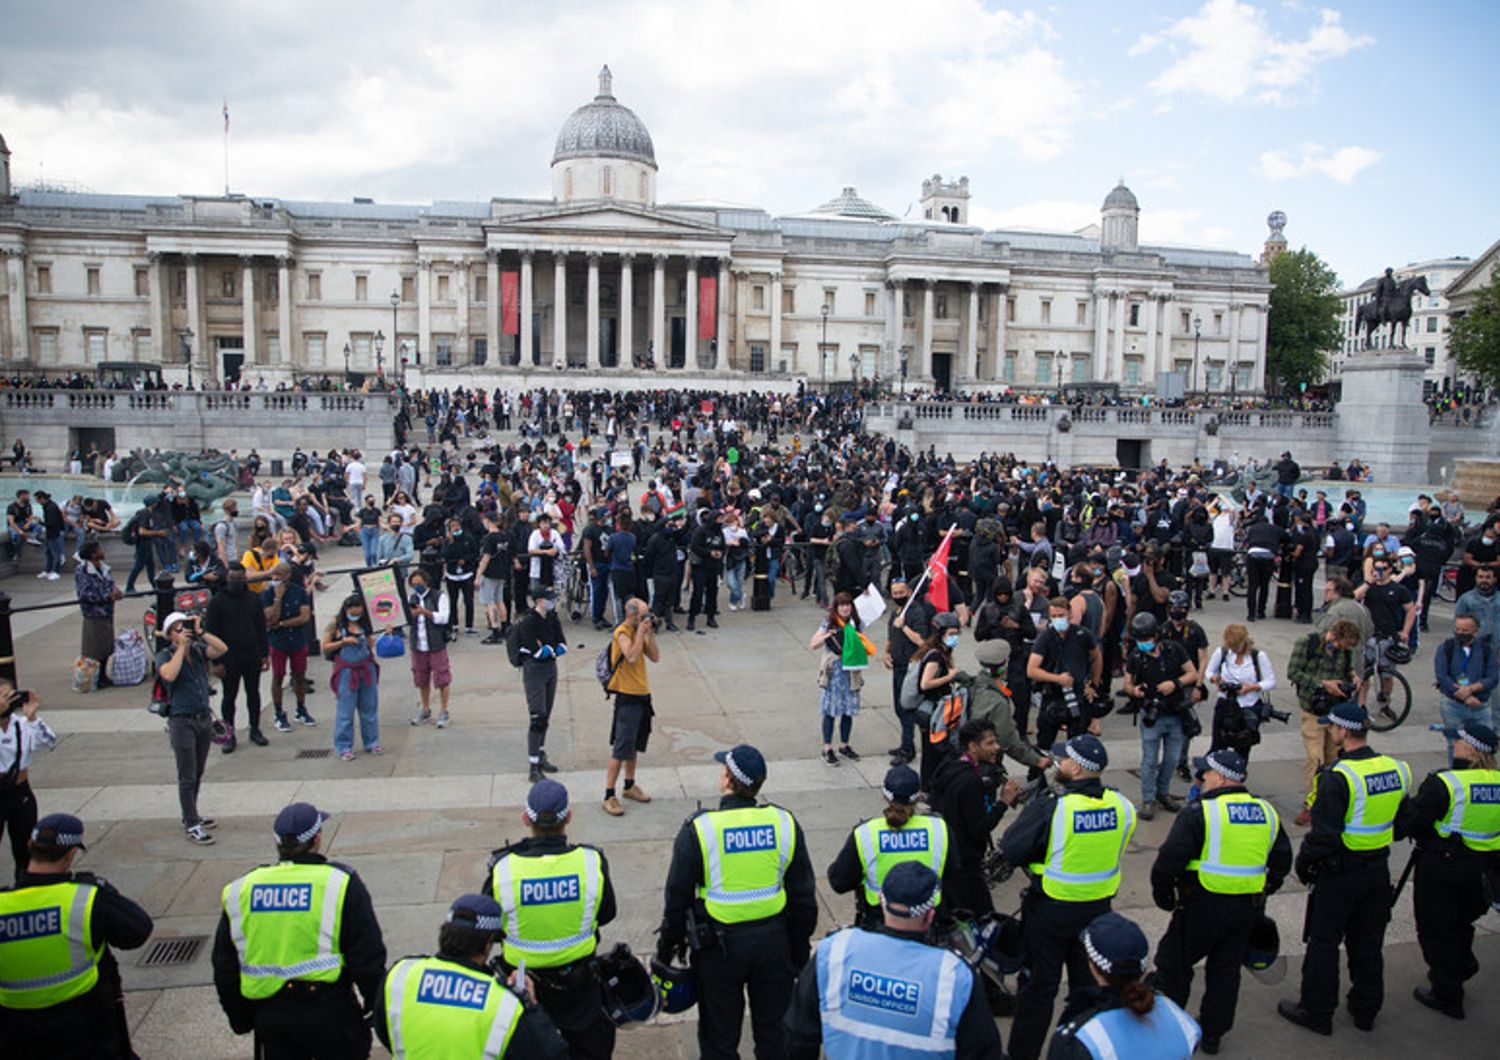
(1380,667)
(1447,586)
(573,577)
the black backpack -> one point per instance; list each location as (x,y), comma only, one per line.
(513,646)
(131,533)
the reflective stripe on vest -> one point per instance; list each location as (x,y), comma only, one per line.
(1473,808)
(1085,846)
(47,951)
(882,998)
(1370,820)
(436,1009)
(1238,833)
(881,848)
(1119,1034)
(551,904)
(745,855)
(286,922)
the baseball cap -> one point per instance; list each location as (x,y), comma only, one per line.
(59,830)
(1349,716)
(172,620)
(901,784)
(1088,751)
(482,912)
(994,652)
(1228,764)
(1117,945)
(745,764)
(547,798)
(544,592)
(299,822)
(945,620)
(909,889)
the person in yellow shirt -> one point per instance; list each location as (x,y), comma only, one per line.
(634,642)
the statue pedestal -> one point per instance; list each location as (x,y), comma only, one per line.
(1382,419)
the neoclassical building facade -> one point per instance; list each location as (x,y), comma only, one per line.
(603,285)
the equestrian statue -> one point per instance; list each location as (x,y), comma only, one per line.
(1390,305)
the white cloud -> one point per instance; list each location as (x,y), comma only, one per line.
(1228,51)
(1342,164)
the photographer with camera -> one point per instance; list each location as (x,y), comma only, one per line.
(1243,675)
(1067,665)
(1158,674)
(634,642)
(1322,671)
(182,667)
(1190,635)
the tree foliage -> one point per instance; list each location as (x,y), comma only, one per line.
(1302,324)
(1474,337)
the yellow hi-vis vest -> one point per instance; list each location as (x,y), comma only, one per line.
(285,920)
(47,949)
(1376,787)
(1473,808)
(745,855)
(1238,833)
(1085,846)
(436,1009)
(881,848)
(551,904)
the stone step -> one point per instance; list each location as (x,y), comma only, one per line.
(1477,482)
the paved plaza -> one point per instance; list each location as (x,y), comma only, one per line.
(418,823)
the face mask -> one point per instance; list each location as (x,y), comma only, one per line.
(548,606)
(950,641)
(1378,552)
(1464,638)
(353,616)
(1060,624)
(458,533)
(419,587)
(1489,540)
(1177,616)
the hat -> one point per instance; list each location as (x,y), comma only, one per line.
(482,911)
(544,592)
(1476,735)
(299,822)
(149,499)
(993,653)
(172,620)
(945,620)
(901,784)
(547,797)
(1228,764)
(745,764)
(1350,716)
(1405,550)
(1088,751)
(65,831)
(909,889)
(1117,945)
(1130,559)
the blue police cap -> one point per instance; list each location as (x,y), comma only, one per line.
(299,822)
(745,764)
(1117,945)
(901,784)
(1088,751)
(547,798)
(909,889)
(59,830)
(1479,736)
(482,912)
(1228,764)
(1350,716)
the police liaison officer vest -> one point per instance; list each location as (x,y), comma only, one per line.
(1376,787)
(1473,808)
(881,848)
(551,904)
(1164,1031)
(47,950)
(1238,833)
(884,998)
(1085,846)
(435,1009)
(745,855)
(285,920)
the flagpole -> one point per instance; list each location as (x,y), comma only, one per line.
(925,572)
(226,148)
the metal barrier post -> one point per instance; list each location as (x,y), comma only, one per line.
(165,597)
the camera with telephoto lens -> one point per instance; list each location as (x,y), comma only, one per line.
(1322,701)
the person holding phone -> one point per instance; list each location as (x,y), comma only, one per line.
(21,733)
(182,667)
(349,643)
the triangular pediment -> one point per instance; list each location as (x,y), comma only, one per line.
(606,217)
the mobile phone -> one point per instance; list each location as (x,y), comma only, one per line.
(23,696)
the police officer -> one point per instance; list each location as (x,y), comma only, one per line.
(1071,845)
(740,894)
(1120,1015)
(883,991)
(1344,861)
(452,1005)
(60,994)
(1455,820)
(294,939)
(898,835)
(1225,853)
(555,895)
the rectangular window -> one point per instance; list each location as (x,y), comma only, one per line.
(140,342)
(940,306)
(869,303)
(788,299)
(830,299)
(1046,311)
(481,350)
(1187,320)
(1132,371)
(1081,314)
(869,359)
(1044,369)
(1080,368)
(92,276)
(142,283)
(481,290)
(45,340)
(444,287)
(315,288)
(361,288)
(1242,377)
(94,343)
(1213,374)
(317,350)
(273,349)
(757,355)
(1218,323)
(1432,325)
(1010,310)
(443,349)
(408,288)
(226,283)
(1429,354)
(270,285)
(788,357)
(1009,371)
(983,302)
(362,346)
(44,279)
(758,300)
(1135,314)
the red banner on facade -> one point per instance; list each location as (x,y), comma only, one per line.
(510,303)
(708,307)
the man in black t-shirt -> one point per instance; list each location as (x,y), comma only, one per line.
(592,546)
(1393,611)
(493,574)
(904,632)
(1481,550)
(1067,665)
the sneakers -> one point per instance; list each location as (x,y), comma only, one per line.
(442,722)
(495,637)
(258,738)
(634,794)
(346,756)
(377,750)
(422,718)
(849,753)
(1147,811)
(305,718)
(470,631)
(613,808)
(198,834)
(534,774)
(831,758)
(52,576)
(229,745)
(207,822)
(281,724)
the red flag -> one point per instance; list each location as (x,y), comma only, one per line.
(937,574)
(510,303)
(708,307)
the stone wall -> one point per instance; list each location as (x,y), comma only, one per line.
(613,380)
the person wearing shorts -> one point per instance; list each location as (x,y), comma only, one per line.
(288,616)
(429,647)
(634,641)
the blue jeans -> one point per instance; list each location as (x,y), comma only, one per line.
(1284,490)
(598,594)
(189,532)
(1160,745)
(734,577)
(369,538)
(145,560)
(1455,715)
(364,701)
(54,559)
(773,568)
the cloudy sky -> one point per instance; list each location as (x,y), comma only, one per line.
(1369,124)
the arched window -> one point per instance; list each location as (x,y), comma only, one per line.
(645,188)
(568,184)
(608,182)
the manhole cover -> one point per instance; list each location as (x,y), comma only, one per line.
(179,950)
(315,752)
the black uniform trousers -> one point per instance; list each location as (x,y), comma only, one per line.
(571,997)
(302,1023)
(705,599)
(754,959)
(1259,570)
(1302,590)
(241,670)
(18,817)
(1212,926)
(663,597)
(1448,897)
(1352,908)
(1049,935)
(89,1027)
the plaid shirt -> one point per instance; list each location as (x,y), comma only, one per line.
(1311,665)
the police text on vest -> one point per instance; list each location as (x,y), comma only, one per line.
(280,897)
(1095,820)
(450,988)
(749,838)
(884,992)
(549,890)
(1247,813)
(904,841)
(1383,783)
(32,924)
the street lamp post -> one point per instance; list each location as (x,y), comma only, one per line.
(1197,334)
(854,368)
(346,362)
(380,354)
(396,338)
(823,349)
(903,373)
(187,354)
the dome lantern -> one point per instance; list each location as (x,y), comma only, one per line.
(604,151)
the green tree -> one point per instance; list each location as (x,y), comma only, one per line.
(1302,324)
(1475,336)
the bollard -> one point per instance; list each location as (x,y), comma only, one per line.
(7,644)
(165,599)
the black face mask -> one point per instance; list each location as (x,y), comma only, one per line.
(1464,638)
(1177,616)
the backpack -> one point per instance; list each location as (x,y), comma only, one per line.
(513,646)
(911,691)
(131,533)
(605,665)
(161,699)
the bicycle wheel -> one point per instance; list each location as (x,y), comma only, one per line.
(1387,717)
(1239,584)
(1447,589)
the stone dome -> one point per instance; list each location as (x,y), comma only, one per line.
(1121,198)
(604,128)
(848,203)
